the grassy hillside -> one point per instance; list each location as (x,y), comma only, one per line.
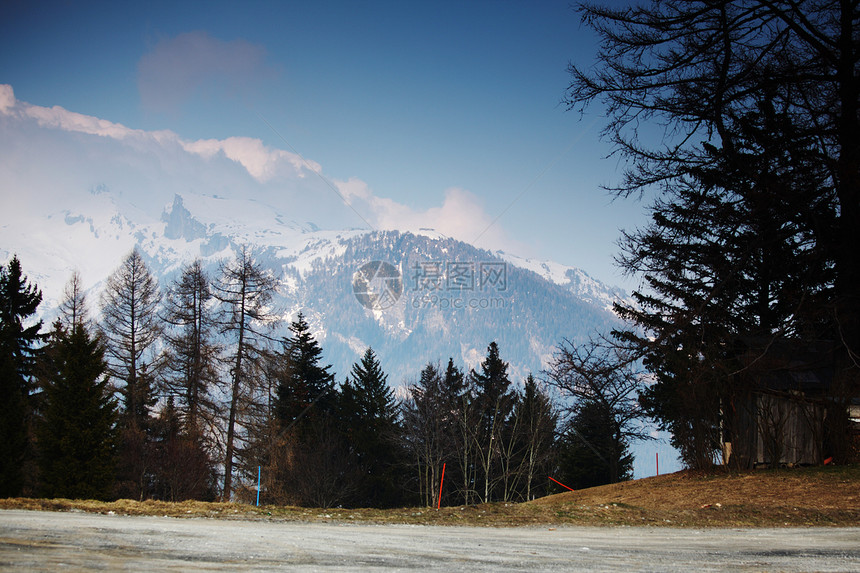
(821,496)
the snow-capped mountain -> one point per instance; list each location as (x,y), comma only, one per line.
(79,193)
(450,298)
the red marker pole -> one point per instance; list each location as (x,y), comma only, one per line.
(559,483)
(658,462)
(441,481)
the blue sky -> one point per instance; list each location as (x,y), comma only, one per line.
(411,99)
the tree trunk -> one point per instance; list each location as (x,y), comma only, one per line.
(231,422)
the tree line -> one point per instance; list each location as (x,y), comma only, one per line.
(184,392)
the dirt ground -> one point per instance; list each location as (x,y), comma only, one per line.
(820,496)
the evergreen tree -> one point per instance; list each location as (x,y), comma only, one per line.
(755,230)
(304,382)
(592,452)
(535,437)
(423,432)
(18,303)
(369,416)
(453,389)
(437,431)
(373,398)
(455,424)
(77,433)
(493,404)
(310,457)
(183,469)
(730,255)
(525,442)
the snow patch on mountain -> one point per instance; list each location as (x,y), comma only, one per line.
(574,279)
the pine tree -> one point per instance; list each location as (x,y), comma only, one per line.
(304,383)
(373,397)
(438,431)
(183,469)
(310,457)
(369,417)
(423,432)
(18,303)
(591,451)
(493,403)
(757,218)
(731,254)
(453,388)
(456,423)
(535,436)
(77,433)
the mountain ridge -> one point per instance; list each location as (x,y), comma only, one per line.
(541,302)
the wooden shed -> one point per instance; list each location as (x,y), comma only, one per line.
(780,401)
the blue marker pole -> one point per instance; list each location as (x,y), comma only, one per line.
(259,473)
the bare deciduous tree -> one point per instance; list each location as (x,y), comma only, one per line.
(244,290)
(73,307)
(130,326)
(192,354)
(599,373)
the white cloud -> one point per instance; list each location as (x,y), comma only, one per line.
(263,163)
(59,118)
(7,98)
(177,68)
(353,189)
(461,214)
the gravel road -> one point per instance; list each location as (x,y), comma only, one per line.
(46,541)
